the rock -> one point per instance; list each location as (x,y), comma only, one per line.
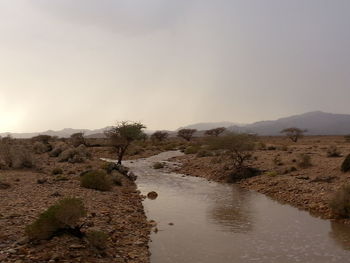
(56,194)
(152,195)
(22,241)
(301,177)
(4,185)
(131,176)
(326,179)
(41,181)
(76,246)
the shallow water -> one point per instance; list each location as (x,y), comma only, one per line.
(221,223)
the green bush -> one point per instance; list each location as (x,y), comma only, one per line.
(340,202)
(97,239)
(96,179)
(345,167)
(271,173)
(191,149)
(65,214)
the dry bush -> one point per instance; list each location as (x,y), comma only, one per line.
(304,160)
(345,167)
(40,147)
(58,149)
(203,153)
(96,179)
(45,139)
(333,151)
(74,155)
(77,139)
(64,215)
(340,202)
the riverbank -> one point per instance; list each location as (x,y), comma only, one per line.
(28,192)
(309,188)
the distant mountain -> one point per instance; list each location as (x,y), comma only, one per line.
(209,125)
(64,133)
(316,123)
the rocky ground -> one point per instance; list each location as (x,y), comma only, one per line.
(306,188)
(25,193)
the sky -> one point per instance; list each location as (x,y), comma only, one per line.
(166,63)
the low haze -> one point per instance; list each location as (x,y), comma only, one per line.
(89,63)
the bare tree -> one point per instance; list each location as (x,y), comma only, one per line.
(215,132)
(294,133)
(122,135)
(159,135)
(186,134)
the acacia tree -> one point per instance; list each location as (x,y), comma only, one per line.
(215,132)
(294,133)
(159,135)
(123,134)
(237,146)
(186,134)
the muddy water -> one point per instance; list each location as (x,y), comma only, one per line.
(222,223)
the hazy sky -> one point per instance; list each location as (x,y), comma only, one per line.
(168,63)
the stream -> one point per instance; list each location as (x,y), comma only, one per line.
(216,222)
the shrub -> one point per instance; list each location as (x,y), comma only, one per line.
(56,171)
(96,179)
(40,147)
(191,149)
(117,178)
(333,151)
(345,167)
(271,173)
(204,153)
(58,149)
(97,239)
(22,158)
(77,139)
(158,165)
(109,167)
(304,161)
(75,155)
(340,202)
(64,215)
(42,138)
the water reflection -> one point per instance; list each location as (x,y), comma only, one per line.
(233,214)
(224,223)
